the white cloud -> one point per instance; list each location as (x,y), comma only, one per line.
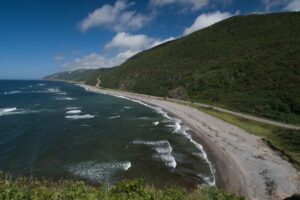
(190,4)
(115,17)
(125,40)
(293,6)
(96,61)
(138,42)
(92,61)
(124,55)
(159,42)
(285,5)
(205,20)
(125,44)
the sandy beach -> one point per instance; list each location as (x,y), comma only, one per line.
(243,163)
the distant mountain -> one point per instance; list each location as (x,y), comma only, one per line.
(245,63)
(81,75)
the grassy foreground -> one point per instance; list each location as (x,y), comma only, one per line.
(30,189)
(283,140)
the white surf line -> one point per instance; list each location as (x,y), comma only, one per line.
(73,112)
(75,117)
(98,171)
(115,117)
(165,114)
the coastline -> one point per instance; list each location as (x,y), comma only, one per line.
(243,163)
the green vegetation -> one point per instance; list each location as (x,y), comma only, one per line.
(249,64)
(81,75)
(78,75)
(27,189)
(245,63)
(283,140)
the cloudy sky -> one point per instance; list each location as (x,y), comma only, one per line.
(40,37)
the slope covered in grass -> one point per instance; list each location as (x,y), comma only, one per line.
(24,188)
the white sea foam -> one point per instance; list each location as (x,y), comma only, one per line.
(65,98)
(163,113)
(134,100)
(55,91)
(163,151)
(12,92)
(146,142)
(73,112)
(209,180)
(98,172)
(41,84)
(115,117)
(178,128)
(157,109)
(86,88)
(72,108)
(144,118)
(87,116)
(156,123)
(6,110)
(168,159)
(127,107)
(14,111)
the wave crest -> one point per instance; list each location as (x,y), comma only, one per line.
(163,151)
(98,172)
(87,116)
(73,112)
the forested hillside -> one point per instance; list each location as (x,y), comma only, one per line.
(246,63)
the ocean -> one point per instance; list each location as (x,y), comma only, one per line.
(58,130)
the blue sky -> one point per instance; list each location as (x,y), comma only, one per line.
(40,37)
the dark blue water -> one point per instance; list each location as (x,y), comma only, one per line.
(55,130)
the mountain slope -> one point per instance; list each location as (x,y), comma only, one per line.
(81,75)
(246,63)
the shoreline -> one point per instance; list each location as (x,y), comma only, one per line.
(243,163)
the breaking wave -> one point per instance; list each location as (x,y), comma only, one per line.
(73,112)
(155,123)
(87,116)
(55,91)
(7,110)
(178,128)
(163,151)
(65,98)
(14,111)
(98,172)
(176,125)
(72,108)
(115,117)
(12,92)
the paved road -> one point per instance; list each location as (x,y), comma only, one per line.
(246,116)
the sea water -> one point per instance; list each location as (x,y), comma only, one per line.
(57,130)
